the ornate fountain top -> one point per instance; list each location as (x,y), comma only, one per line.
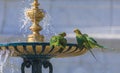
(35,15)
(35,3)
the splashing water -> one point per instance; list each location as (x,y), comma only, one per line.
(24,20)
(25,23)
(4,54)
(13,65)
(48,28)
(26,2)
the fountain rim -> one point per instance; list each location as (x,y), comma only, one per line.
(42,49)
(31,43)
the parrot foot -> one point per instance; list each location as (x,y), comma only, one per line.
(81,47)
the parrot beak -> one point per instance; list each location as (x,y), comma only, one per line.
(64,34)
(75,30)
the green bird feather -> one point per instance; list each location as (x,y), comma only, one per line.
(87,42)
(84,38)
(59,41)
(80,41)
(83,42)
(93,43)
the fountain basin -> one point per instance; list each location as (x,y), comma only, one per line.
(37,54)
(42,50)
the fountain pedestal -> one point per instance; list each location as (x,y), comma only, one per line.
(36,64)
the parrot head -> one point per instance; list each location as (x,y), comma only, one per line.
(77,31)
(63,34)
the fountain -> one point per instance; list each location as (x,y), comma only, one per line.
(36,53)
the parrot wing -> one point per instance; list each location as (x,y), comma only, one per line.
(58,41)
(63,42)
(53,41)
(90,39)
(80,41)
(88,46)
(94,43)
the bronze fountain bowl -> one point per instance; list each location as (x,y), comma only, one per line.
(42,49)
(37,54)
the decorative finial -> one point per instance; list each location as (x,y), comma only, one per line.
(35,3)
(35,15)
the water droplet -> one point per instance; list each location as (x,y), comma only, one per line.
(4,54)
(48,28)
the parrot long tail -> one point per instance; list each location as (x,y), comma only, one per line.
(89,48)
(104,48)
(99,46)
(93,54)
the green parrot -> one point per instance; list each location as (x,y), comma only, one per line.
(93,43)
(84,41)
(59,41)
(79,38)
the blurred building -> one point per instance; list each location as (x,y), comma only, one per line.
(91,16)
